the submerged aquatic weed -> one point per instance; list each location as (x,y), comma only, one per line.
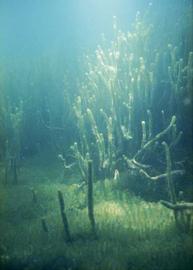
(118,101)
(126,88)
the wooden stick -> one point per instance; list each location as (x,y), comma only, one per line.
(170,183)
(44,225)
(90,197)
(64,217)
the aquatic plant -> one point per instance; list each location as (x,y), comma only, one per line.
(132,110)
(13,122)
(147,148)
(131,231)
(127,88)
(183,211)
(10,120)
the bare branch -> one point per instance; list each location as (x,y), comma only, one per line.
(156,138)
(160,176)
(133,164)
(178,206)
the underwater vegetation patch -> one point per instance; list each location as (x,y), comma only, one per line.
(97,173)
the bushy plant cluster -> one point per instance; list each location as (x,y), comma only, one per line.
(135,88)
(130,93)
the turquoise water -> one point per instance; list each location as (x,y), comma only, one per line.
(96,134)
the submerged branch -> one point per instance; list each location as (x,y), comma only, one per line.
(56,128)
(178,206)
(133,164)
(171,188)
(156,138)
(160,176)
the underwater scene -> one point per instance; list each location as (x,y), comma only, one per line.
(96,135)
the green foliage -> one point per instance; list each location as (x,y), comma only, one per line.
(131,232)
